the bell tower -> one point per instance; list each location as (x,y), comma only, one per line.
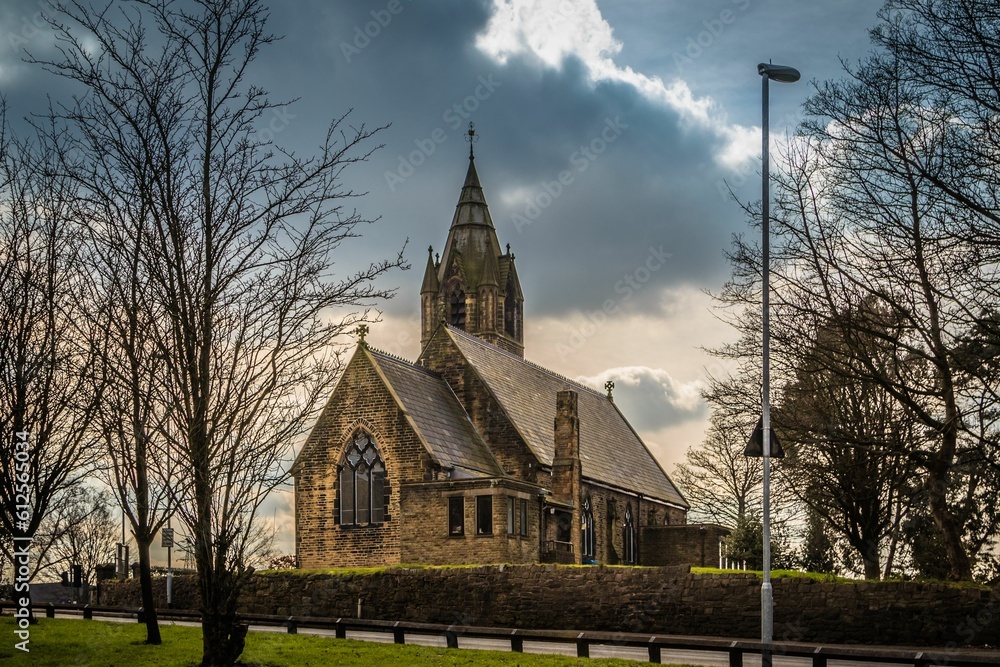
(471,285)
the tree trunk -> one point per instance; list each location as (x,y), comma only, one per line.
(958,559)
(223,636)
(872,569)
(146,585)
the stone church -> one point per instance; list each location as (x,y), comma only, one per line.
(472,454)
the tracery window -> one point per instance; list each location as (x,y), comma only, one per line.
(361,483)
(587,530)
(628,536)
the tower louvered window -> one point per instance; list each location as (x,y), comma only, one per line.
(510,311)
(458,309)
(361,486)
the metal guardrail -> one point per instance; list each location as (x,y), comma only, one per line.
(655,644)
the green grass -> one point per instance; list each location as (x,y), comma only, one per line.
(777,574)
(345,571)
(78,643)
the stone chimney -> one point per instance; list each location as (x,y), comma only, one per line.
(566,462)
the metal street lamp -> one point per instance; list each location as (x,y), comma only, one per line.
(781,74)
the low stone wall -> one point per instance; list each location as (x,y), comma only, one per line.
(665,600)
(694,543)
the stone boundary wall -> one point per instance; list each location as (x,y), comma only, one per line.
(664,600)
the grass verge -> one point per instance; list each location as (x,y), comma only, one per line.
(777,574)
(78,643)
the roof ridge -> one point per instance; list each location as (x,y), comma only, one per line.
(394,357)
(406,362)
(524,361)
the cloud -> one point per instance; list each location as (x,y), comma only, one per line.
(554,32)
(650,397)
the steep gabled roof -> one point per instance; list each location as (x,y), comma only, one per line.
(610,450)
(436,415)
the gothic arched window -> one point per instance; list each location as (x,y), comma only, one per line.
(458,308)
(361,487)
(628,536)
(587,530)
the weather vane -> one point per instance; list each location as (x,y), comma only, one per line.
(472,138)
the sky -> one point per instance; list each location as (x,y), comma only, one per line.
(649,110)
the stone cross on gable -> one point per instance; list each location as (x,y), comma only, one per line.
(610,386)
(362,331)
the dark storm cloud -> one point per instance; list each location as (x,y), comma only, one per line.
(583,222)
(653,187)
(650,398)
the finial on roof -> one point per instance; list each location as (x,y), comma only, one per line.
(508,250)
(430,249)
(362,331)
(610,386)
(472,139)
(437,258)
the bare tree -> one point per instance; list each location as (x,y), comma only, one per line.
(44,399)
(237,241)
(86,533)
(121,320)
(721,483)
(860,225)
(851,455)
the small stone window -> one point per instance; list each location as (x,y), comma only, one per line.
(511,515)
(628,536)
(456,516)
(587,530)
(484,515)
(361,487)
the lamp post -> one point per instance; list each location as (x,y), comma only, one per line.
(781,74)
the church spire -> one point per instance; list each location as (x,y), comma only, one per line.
(474,287)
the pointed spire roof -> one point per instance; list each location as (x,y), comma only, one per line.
(472,208)
(430,283)
(472,235)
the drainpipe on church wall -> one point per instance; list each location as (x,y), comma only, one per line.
(541,526)
(638,533)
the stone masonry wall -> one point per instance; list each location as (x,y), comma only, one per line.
(661,600)
(425,538)
(697,544)
(320,542)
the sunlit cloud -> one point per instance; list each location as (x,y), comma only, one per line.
(552,32)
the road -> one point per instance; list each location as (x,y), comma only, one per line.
(707,658)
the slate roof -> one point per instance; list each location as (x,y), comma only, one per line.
(436,415)
(610,451)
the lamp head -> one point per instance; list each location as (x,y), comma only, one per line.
(780,73)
